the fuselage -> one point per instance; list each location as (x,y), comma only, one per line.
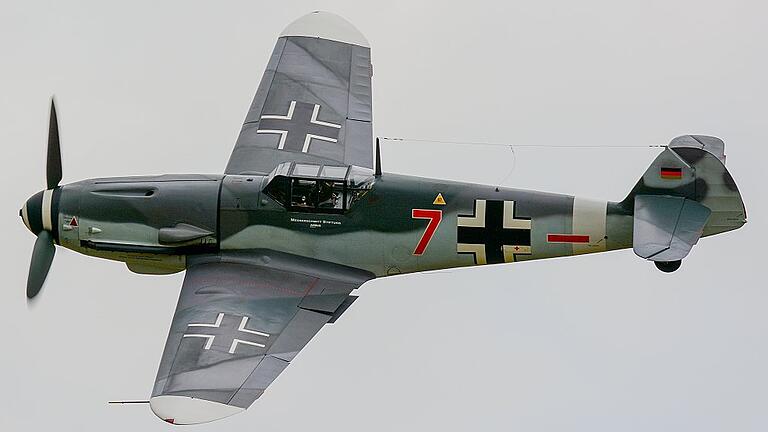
(394,224)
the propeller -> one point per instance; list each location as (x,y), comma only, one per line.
(42,257)
(45,249)
(53,165)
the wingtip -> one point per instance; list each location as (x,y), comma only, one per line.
(326,25)
(185,410)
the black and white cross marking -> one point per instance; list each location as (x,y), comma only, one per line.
(216,329)
(492,233)
(299,127)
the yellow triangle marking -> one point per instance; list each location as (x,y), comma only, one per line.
(439,200)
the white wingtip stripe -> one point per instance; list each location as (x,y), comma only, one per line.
(188,410)
(325,25)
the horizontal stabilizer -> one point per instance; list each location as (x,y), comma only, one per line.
(667,227)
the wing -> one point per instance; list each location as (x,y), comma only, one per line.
(240,320)
(314,100)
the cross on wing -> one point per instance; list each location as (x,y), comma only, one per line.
(324,82)
(240,321)
(299,127)
(226,331)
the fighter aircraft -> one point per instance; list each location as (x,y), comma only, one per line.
(303,215)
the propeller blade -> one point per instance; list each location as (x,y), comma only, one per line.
(42,257)
(53,167)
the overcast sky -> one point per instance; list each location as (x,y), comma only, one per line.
(596,343)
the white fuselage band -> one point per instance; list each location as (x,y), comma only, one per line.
(589,218)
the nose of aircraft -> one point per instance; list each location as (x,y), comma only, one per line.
(32,212)
(40,212)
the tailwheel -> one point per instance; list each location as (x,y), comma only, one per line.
(668,266)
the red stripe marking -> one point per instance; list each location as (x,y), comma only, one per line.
(567,238)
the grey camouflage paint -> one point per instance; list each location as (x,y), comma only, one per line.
(375,238)
(334,75)
(286,273)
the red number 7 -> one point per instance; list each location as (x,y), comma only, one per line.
(434,216)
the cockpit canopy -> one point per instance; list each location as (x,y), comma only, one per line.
(318,188)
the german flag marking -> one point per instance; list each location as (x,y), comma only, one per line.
(671,173)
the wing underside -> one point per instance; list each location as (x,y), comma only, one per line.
(314,100)
(240,320)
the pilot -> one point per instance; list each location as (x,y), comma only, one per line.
(327,197)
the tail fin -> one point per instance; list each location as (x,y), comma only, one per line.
(686,193)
